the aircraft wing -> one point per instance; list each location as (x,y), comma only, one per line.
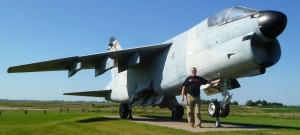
(52,65)
(100,62)
(102,93)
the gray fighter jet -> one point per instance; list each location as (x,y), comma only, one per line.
(234,43)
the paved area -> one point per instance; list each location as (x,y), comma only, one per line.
(183,125)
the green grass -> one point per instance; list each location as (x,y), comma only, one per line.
(16,122)
(281,110)
(75,122)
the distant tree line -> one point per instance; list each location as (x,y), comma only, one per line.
(263,103)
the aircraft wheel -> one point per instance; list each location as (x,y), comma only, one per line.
(213,109)
(177,112)
(224,111)
(123,110)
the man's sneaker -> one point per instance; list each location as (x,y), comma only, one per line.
(199,126)
(191,126)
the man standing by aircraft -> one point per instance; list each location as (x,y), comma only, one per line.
(192,84)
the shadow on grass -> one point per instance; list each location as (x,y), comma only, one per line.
(184,120)
(158,119)
(97,119)
(259,126)
(226,124)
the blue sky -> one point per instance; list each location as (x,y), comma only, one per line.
(35,30)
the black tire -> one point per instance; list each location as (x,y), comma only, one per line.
(124,110)
(213,109)
(177,112)
(224,112)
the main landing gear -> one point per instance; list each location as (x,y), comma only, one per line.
(124,111)
(177,112)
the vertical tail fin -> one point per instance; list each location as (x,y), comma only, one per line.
(114,46)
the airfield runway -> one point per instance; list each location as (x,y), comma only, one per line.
(183,125)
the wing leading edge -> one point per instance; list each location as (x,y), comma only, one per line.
(100,62)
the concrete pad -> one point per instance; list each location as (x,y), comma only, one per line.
(183,124)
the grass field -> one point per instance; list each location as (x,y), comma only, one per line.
(86,118)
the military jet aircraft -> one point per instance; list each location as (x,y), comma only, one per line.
(234,43)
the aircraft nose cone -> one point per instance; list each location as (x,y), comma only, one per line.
(272,23)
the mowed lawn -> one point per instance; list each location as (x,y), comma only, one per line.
(90,122)
(73,123)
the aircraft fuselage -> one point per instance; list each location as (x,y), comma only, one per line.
(229,49)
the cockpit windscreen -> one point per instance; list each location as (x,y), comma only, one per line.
(229,15)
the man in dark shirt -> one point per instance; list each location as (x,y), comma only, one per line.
(191,88)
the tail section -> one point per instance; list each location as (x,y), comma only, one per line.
(114,46)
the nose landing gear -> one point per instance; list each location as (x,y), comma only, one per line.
(220,109)
(216,110)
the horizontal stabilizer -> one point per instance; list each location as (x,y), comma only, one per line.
(102,93)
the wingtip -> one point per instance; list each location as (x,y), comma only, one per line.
(9,70)
(67,94)
(13,70)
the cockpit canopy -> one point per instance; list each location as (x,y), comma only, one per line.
(229,15)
